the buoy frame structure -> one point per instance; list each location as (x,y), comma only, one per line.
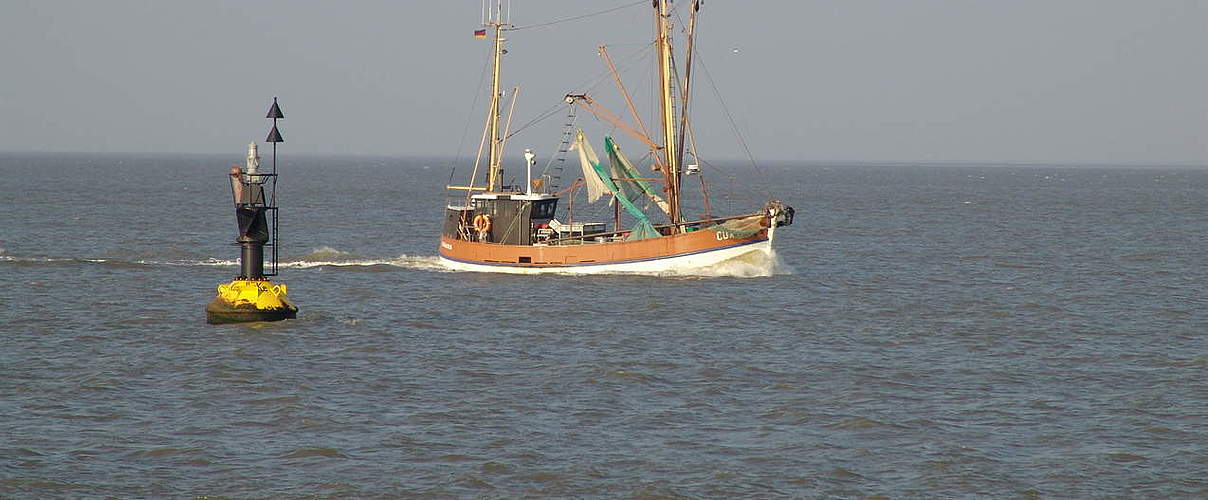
(251,297)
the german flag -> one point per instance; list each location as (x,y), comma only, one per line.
(480,33)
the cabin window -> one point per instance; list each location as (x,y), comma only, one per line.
(544,210)
(526,260)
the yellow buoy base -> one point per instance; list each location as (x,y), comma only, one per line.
(250,300)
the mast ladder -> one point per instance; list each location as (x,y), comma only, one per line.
(557,164)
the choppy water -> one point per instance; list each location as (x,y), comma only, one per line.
(929,331)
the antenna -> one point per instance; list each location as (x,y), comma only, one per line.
(496,12)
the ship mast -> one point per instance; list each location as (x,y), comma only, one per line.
(494,18)
(672,173)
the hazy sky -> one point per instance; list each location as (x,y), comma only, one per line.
(1101,81)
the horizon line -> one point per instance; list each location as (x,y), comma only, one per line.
(807,161)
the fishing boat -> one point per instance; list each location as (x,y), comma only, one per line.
(491,226)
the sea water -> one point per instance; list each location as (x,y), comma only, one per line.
(923,331)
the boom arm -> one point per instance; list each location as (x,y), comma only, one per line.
(602,113)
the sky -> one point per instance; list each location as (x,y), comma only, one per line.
(1021,81)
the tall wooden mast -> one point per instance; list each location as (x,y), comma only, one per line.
(672,173)
(494,19)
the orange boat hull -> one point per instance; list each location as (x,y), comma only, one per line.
(652,254)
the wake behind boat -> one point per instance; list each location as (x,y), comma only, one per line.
(506,228)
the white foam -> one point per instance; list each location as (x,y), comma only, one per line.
(327,254)
(323,257)
(750,265)
(208,262)
(14,258)
(423,262)
(332,263)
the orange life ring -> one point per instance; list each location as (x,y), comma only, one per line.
(482,223)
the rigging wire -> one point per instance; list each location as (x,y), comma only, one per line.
(552,110)
(575,18)
(734,127)
(482,78)
(764,182)
(544,115)
(587,87)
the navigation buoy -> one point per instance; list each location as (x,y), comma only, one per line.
(251,296)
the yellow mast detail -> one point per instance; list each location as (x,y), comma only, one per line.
(494,153)
(662,21)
